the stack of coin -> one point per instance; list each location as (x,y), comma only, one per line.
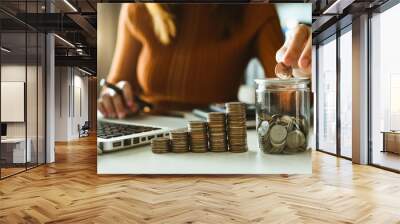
(283,134)
(236,126)
(217,132)
(179,141)
(160,145)
(198,136)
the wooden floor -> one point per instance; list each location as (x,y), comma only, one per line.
(69,191)
(5,172)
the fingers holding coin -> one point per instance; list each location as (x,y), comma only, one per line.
(296,53)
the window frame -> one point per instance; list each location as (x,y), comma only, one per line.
(335,36)
(379,10)
(27,29)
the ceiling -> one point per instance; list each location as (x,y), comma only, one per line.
(76,22)
(331,15)
(73,20)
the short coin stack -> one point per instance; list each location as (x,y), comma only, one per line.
(217,131)
(198,136)
(160,145)
(179,141)
(236,127)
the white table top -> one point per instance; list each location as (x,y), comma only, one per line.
(141,160)
(13,140)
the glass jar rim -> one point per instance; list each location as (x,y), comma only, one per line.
(283,84)
(291,81)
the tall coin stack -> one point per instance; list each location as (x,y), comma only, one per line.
(179,141)
(217,131)
(198,136)
(236,122)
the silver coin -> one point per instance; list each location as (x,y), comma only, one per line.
(275,117)
(278,134)
(264,126)
(286,119)
(289,121)
(295,139)
(277,148)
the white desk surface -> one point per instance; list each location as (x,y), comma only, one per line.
(141,160)
(13,140)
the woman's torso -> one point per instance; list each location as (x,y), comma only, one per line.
(198,67)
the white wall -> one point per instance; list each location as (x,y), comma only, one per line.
(71,94)
(61,103)
(16,73)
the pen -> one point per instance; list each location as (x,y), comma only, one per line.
(142,105)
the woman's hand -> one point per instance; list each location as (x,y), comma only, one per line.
(112,105)
(297,51)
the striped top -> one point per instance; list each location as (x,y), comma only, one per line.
(198,67)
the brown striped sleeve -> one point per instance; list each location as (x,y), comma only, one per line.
(127,50)
(268,41)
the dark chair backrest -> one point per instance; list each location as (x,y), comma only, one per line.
(86,125)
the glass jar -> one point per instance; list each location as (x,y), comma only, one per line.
(283,115)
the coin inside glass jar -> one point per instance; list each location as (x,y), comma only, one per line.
(295,139)
(263,129)
(278,134)
(282,134)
